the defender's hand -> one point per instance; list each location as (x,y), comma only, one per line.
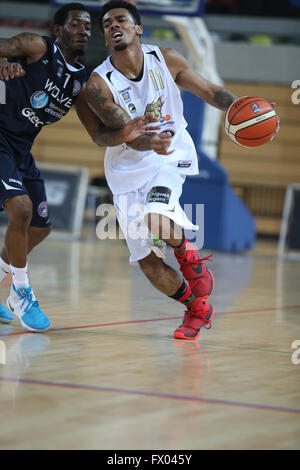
(10,70)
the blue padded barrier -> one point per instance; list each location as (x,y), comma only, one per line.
(194,116)
(228,224)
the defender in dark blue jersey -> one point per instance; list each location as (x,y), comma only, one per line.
(47,84)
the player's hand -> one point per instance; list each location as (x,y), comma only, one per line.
(9,70)
(160,144)
(139,126)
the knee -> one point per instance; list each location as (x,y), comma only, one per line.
(19,210)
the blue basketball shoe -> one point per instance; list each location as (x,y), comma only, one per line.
(23,304)
(5,315)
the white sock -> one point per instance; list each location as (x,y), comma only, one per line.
(19,276)
(4,269)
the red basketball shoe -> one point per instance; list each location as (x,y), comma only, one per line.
(195,271)
(199,315)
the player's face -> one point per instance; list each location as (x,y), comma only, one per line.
(76,31)
(120,29)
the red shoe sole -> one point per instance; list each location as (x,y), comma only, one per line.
(178,335)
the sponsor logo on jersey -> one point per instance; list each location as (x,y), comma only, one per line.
(32,117)
(126,96)
(168,132)
(60,71)
(255,107)
(43,209)
(160,194)
(184,163)
(55,111)
(153,110)
(39,99)
(166,120)
(57,94)
(132,108)
(76,87)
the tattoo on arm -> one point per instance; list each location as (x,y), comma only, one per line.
(223,99)
(14,47)
(111,115)
(141,143)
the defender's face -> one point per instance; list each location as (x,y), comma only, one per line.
(76,31)
(120,29)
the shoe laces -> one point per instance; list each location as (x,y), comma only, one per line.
(27,298)
(198,259)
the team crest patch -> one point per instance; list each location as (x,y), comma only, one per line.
(43,209)
(76,87)
(153,109)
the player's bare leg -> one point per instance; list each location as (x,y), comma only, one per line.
(35,236)
(191,264)
(199,312)
(21,300)
(19,212)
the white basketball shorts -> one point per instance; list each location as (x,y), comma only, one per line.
(160,196)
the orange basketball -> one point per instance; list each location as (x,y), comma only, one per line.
(250,121)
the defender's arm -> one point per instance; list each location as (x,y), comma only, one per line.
(26,45)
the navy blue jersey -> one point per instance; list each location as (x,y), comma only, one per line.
(43,96)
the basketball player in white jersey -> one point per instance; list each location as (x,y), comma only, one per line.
(136,80)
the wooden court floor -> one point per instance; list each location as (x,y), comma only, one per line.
(109,375)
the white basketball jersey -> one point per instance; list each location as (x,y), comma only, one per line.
(153,93)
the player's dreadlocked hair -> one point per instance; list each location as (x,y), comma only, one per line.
(62,13)
(120,4)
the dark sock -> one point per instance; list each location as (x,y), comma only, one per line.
(184,294)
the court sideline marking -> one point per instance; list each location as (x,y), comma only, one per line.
(152,320)
(152,394)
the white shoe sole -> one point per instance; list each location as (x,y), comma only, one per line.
(24,324)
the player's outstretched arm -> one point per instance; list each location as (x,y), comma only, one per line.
(105,136)
(186,78)
(27,45)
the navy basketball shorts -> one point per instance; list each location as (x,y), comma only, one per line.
(18,176)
